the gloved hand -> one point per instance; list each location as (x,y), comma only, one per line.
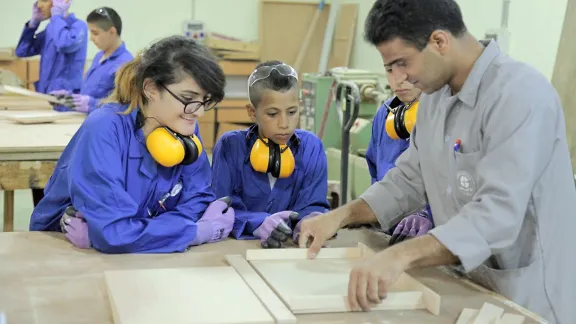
(413,225)
(37,16)
(216,223)
(296,233)
(81,103)
(274,230)
(65,98)
(73,224)
(59,93)
(59,7)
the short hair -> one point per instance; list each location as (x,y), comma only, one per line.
(275,82)
(105,18)
(412,21)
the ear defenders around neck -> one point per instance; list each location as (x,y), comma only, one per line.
(169,148)
(401,120)
(269,157)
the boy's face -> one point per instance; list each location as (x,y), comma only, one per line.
(101,38)
(277,114)
(45,6)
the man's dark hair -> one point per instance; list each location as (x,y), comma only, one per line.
(412,21)
(275,82)
(105,18)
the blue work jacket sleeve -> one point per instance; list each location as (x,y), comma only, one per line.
(517,147)
(224,181)
(312,196)
(67,38)
(30,43)
(97,176)
(93,103)
(401,191)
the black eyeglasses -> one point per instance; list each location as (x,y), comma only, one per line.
(191,107)
(104,13)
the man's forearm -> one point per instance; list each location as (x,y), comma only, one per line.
(423,251)
(358,212)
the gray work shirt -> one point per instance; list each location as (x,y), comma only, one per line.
(505,202)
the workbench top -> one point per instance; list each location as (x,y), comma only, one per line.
(44,279)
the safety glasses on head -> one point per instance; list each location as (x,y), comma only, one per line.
(191,107)
(264,72)
(104,13)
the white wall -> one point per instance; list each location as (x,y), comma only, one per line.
(534,24)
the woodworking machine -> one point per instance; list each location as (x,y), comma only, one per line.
(325,115)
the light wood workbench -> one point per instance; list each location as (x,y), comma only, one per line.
(28,155)
(46,280)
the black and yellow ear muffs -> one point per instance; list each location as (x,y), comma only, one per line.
(269,157)
(401,119)
(169,148)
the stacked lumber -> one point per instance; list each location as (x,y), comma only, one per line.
(230,48)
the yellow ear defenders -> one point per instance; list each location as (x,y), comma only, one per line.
(169,148)
(269,157)
(401,118)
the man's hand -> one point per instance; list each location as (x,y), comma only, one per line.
(315,231)
(371,280)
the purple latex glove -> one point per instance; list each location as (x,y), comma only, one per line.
(81,103)
(76,229)
(37,16)
(216,223)
(60,7)
(296,233)
(274,231)
(413,225)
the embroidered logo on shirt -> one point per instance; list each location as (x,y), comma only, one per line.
(465,183)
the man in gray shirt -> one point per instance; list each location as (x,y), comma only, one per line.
(488,153)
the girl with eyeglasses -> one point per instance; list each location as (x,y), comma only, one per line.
(276,174)
(134,178)
(105,27)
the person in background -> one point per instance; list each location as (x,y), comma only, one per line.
(105,27)
(383,151)
(276,175)
(62,47)
(134,175)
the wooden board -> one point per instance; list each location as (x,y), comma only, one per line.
(321,285)
(203,295)
(25,92)
(42,117)
(488,314)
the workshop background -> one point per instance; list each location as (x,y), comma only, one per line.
(248,31)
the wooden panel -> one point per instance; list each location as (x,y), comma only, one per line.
(233,115)
(301,254)
(564,76)
(43,117)
(343,35)
(238,67)
(18,67)
(202,295)
(208,133)
(53,137)
(33,71)
(16,175)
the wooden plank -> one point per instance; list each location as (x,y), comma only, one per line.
(466,316)
(564,75)
(488,314)
(338,304)
(25,92)
(344,35)
(202,295)
(43,117)
(8,210)
(277,309)
(302,254)
(511,319)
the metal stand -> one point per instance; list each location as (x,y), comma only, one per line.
(352,98)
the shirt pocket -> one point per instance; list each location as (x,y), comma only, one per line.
(464,180)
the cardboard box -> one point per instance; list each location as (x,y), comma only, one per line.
(228,127)
(233,115)
(207,132)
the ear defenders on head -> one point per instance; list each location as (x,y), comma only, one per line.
(401,119)
(169,148)
(269,157)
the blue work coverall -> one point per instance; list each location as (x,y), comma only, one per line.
(131,203)
(304,192)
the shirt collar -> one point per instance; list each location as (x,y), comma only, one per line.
(469,92)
